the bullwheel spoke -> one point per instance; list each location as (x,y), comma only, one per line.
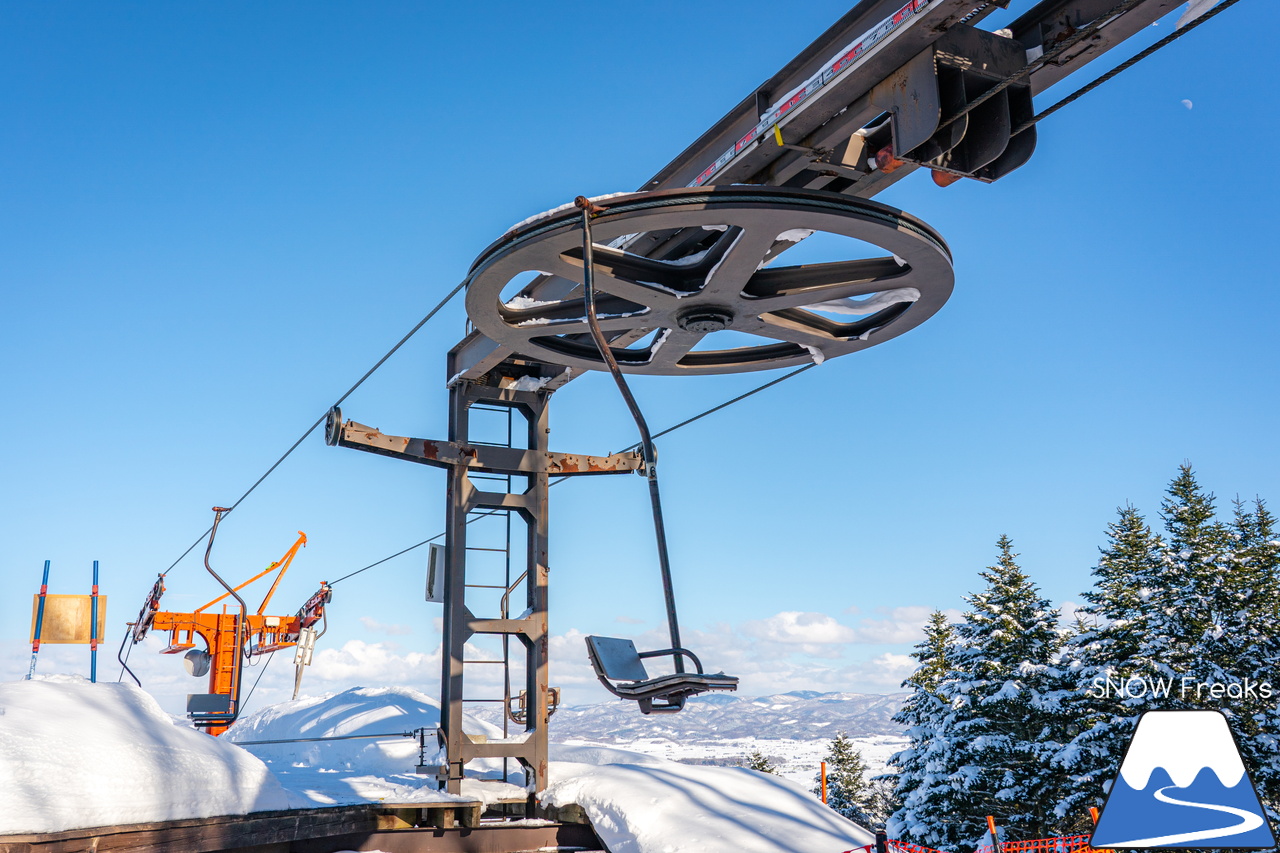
(800,286)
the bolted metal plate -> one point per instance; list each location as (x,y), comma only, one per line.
(659,314)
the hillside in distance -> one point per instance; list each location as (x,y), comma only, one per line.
(801,715)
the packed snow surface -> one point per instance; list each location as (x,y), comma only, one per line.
(359,769)
(637,803)
(81,754)
(75,754)
(642,804)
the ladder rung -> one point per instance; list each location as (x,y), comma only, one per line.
(483,586)
(495,550)
(484,661)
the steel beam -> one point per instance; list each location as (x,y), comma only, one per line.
(495,460)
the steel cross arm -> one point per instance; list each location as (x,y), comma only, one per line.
(495,460)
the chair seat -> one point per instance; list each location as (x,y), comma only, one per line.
(620,669)
(678,682)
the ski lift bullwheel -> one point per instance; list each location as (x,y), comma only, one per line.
(710,274)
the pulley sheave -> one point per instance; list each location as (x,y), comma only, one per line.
(658,312)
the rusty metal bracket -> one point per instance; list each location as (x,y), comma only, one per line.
(495,460)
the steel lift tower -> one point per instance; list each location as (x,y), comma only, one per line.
(890,88)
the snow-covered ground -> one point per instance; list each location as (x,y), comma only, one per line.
(76,754)
(359,770)
(796,760)
(659,806)
(81,755)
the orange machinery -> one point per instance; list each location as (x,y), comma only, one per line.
(231,638)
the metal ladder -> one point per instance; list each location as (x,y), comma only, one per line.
(470,501)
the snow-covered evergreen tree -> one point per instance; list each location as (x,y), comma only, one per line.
(1192,610)
(1253,633)
(1103,654)
(934,654)
(1009,717)
(1170,618)
(849,791)
(757,760)
(920,789)
(984,731)
(1017,693)
(1002,723)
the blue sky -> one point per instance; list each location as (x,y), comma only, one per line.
(214,218)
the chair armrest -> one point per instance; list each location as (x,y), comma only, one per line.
(673,653)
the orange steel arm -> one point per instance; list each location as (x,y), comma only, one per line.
(282,564)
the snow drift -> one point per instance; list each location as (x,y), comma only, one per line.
(75,754)
(652,805)
(339,772)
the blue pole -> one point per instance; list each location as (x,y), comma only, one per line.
(93,628)
(35,643)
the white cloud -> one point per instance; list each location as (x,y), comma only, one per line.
(380,628)
(805,629)
(898,625)
(888,670)
(366,664)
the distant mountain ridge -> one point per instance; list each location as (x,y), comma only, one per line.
(799,715)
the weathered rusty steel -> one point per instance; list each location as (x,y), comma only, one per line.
(493,460)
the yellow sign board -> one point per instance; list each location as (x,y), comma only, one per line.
(67,618)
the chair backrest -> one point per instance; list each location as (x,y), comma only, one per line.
(617,659)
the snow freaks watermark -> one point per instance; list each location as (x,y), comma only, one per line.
(1137,687)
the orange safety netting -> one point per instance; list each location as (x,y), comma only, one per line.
(1068,844)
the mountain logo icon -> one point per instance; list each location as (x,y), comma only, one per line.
(1183,784)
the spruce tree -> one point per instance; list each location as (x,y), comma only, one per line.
(1254,636)
(1103,655)
(920,793)
(1197,607)
(1190,611)
(757,760)
(848,790)
(1009,715)
(934,654)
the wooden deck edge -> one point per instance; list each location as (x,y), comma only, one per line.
(360,826)
(202,834)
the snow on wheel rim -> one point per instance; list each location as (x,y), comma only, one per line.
(656,313)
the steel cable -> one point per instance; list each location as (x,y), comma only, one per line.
(659,434)
(1044,59)
(1124,66)
(400,343)
(322,418)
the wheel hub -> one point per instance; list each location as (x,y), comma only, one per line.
(704,320)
